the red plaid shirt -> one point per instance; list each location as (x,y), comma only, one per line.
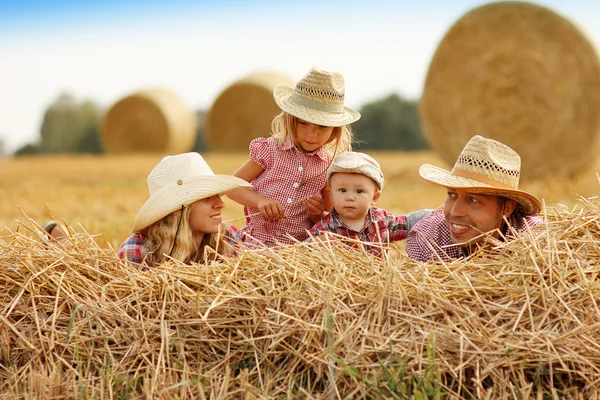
(134,250)
(289,175)
(381,227)
(430,237)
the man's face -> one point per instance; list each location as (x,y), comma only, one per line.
(469,215)
(353,195)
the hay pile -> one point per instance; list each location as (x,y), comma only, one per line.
(149,121)
(523,75)
(244,111)
(309,321)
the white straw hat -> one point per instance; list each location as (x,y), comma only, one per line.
(357,163)
(485,166)
(178,181)
(318,98)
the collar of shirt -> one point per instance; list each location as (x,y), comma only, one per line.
(336,220)
(320,152)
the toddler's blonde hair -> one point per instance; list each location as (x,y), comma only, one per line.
(284,126)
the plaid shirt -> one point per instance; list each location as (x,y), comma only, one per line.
(430,237)
(134,250)
(381,227)
(289,175)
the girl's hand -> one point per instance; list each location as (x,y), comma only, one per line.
(315,205)
(271,210)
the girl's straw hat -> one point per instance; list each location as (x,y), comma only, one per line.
(485,166)
(179,181)
(318,98)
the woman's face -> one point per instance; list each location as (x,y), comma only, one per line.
(205,216)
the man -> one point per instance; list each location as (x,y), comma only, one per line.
(483,200)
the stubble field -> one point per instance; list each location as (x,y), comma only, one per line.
(104,193)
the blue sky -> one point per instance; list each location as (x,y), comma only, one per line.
(105,50)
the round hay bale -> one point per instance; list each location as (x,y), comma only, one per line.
(152,121)
(244,111)
(521,74)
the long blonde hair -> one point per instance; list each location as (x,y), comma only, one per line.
(173,237)
(284,126)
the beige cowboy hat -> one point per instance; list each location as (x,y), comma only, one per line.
(318,98)
(357,163)
(485,166)
(178,181)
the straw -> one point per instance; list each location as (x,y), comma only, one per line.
(309,320)
(523,75)
(152,120)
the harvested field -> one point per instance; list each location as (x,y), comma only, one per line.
(306,321)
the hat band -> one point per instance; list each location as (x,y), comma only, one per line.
(315,105)
(481,178)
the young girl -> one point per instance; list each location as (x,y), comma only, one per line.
(288,170)
(182,218)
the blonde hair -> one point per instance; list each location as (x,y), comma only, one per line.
(166,240)
(284,126)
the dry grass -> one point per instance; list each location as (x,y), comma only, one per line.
(104,193)
(310,321)
(501,72)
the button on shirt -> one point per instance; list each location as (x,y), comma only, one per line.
(289,176)
(430,237)
(380,227)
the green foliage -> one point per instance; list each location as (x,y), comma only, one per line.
(391,123)
(27,150)
(200,145)
(71,127)
(398,381)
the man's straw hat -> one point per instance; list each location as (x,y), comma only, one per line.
(318,98)
(179,181)
(485,166)
(357,163)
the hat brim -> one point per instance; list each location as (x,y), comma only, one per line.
(529,204)
(170,198)
(283,94)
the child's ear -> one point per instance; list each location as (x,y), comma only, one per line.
(376,197)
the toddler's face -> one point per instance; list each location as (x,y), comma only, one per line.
(309,136)
(353,195)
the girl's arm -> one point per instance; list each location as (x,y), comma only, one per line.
(270,209)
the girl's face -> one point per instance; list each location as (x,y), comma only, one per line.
(310,137)
(205,216)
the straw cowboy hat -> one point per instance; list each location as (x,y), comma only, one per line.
(357,163)
(318,98)
(485,166)
(179,181)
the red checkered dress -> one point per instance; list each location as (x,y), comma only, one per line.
(381,227)
(430,237)
(289,175)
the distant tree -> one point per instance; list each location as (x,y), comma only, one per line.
(69,126)
(200,145)
(2,146)
(28,149)
(391,124)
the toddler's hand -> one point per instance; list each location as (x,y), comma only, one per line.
(271,210)
(315,205)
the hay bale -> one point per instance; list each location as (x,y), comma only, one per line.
(149,121)
(244,111)
(521,74)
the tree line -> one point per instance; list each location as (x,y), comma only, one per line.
(72,126)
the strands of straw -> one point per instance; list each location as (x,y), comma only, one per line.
(500,72)
(311,320)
